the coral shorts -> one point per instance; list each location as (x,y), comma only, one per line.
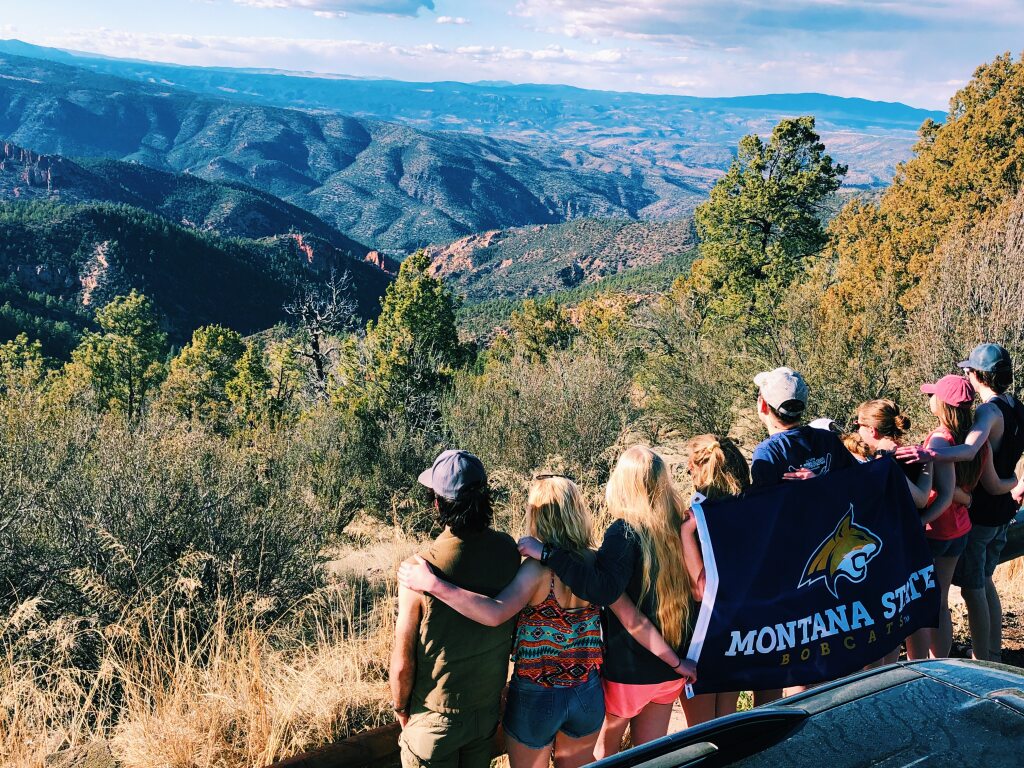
(626,699)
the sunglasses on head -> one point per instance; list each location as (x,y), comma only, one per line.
(549,475)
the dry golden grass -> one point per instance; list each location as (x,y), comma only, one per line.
(164,694)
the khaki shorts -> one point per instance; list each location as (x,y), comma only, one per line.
(459,739)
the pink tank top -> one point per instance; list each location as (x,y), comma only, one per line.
(955,521)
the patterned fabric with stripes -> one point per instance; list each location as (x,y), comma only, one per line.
(555,646)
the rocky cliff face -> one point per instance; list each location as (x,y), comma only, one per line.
(528,261)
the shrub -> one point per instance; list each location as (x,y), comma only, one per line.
(517,414)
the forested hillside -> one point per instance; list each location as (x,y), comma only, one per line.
(63,261)
(386,185)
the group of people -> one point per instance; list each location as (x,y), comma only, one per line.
(598,638)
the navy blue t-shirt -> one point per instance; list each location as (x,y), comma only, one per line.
(819,450)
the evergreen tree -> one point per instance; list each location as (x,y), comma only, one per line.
(123,361)
(249,390)
(762,221)
(540,327)
(414,346)
(197,381)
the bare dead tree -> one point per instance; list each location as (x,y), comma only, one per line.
(321,313)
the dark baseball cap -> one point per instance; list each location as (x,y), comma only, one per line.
(987,357)
(455,474)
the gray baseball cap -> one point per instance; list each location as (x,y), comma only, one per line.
(987,357)
(784,390)
(454,474)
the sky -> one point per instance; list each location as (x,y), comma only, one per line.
(915,52)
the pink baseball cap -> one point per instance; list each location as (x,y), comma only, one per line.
(952,390)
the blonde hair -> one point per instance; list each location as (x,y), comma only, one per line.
(641,493)
(557,514)
(855,444)
(959,420)
(885,416)
(717,467)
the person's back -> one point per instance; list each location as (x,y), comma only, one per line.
(791,449)
(460,664)
(998,509)
(447,672)
(804,447)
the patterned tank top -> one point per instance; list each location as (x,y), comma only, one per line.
(556,646)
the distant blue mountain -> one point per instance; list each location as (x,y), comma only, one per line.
(401,164)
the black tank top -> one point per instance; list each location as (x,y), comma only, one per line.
(987,509)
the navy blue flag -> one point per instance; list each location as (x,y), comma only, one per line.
(810,580)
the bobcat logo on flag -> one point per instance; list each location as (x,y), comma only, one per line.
(844,554)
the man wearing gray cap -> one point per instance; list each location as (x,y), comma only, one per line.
(791,451)
(447,672)
(999,421)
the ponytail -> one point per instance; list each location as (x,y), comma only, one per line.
(717,467)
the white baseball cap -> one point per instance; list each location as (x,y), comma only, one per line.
(784,390)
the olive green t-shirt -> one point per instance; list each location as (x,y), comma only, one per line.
(462,665)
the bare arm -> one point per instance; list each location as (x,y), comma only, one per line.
(945,482)
(644,632)
(921,490)
(403,654)
(984,419)
(416,574)
(692,557)
(990,479)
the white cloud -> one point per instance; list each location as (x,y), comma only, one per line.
(452,20)
(338,8)
(702,22)
(330,14)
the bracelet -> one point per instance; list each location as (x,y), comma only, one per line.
(403,710)
(545,553)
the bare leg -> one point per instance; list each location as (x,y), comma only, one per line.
(995,613)
(609,740)
(725,703)
(766,697)
(919,643)
(522,756)
(699,709)
(979,621)
(650,724)
(572,753)
(942,640)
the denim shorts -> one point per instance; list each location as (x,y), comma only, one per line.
(948,547)
(984,546)
(534,714)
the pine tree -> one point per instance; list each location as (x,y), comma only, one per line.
(123,361)
(196,384)
(762,221)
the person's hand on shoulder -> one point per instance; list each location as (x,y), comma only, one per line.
(415,574)
(531,547)
(799,474)
(914,454)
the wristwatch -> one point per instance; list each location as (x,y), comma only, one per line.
(545,553)
(403,710)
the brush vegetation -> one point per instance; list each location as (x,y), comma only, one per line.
(167,518)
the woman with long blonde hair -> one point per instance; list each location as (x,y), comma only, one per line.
(650,554)
(555,701)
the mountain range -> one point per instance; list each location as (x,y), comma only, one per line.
(455,159)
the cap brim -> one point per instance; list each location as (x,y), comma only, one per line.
(964,364)
(427,478)
(928,389)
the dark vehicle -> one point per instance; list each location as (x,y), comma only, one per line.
(947,712)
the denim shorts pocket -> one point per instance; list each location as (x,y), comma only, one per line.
(530,716)
(586,709)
